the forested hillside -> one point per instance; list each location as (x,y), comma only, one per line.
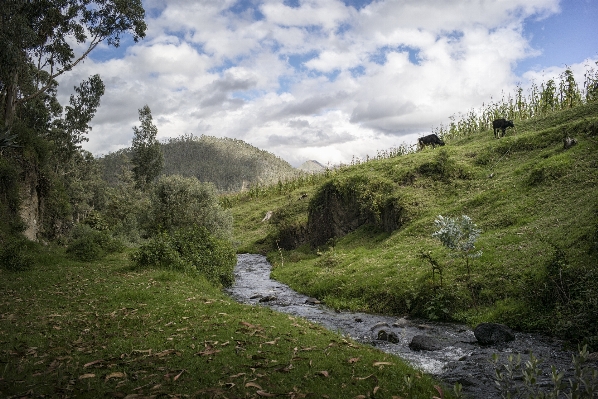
(230,164)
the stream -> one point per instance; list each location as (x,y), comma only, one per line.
(453,354)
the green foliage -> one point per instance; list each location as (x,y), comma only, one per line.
(10,221)
(86,244)
(459,236)
(564,297)
(180,202)
(191,250)
(16,253)
(147,159)
(584,383)
(39,137)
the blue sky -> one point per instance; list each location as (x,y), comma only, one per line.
(329,79)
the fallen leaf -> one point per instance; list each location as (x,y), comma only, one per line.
(178,375)
(165,352)
(253,384)
(208,352)
(360,397)
(382,364)
(376,388)
(266,394)
(84,376)
(353,360)
(364,378)
(117,374)
(237,375)
(323,372)
(92,363)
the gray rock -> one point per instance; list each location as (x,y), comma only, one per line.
(389,336)
(267,298)
(381,324)
(493,333)
(401,323)
(425,343)
(312,301)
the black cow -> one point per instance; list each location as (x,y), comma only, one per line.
(501,124)
(429,139)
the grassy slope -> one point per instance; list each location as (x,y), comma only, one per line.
(539,196)
(71,329)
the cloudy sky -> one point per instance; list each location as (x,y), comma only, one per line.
(328,79)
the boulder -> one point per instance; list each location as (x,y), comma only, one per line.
(425,343)
(267,298)
(493,333)
(389,336)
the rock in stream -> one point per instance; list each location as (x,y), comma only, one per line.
(448,351)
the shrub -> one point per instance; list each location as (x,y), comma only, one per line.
(182,202)
(87,244)
(192,250)
(458,235)
(15,254)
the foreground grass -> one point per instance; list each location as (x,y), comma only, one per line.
(70,329)
(537,206)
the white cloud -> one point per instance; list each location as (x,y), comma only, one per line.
(319,81)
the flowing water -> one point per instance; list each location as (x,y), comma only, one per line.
(454,354)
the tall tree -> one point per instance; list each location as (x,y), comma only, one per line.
(39,140)
(148,159)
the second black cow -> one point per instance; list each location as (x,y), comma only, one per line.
(430,139)
(501,124)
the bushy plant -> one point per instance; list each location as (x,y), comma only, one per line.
(15,253)
(182,202)
(458,235)
(192,250)
(87,244)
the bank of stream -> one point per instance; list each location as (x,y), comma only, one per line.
(448,351)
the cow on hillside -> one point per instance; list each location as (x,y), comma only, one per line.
(430,139)
(501,124)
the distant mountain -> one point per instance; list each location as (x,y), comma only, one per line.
(312,167)
(232,165)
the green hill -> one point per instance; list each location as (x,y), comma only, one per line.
(232,165)
(362,239)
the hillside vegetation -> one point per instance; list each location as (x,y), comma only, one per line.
(230,164)
(362,238)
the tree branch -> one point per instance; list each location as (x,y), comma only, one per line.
(92,46)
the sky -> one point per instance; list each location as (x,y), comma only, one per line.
(328,80)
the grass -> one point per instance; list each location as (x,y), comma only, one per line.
(530,197)
(97,329)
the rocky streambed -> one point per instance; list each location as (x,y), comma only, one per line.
(448,351)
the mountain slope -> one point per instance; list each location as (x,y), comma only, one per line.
(230,164)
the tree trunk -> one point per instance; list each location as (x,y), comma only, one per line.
(30,205)
(10,100)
